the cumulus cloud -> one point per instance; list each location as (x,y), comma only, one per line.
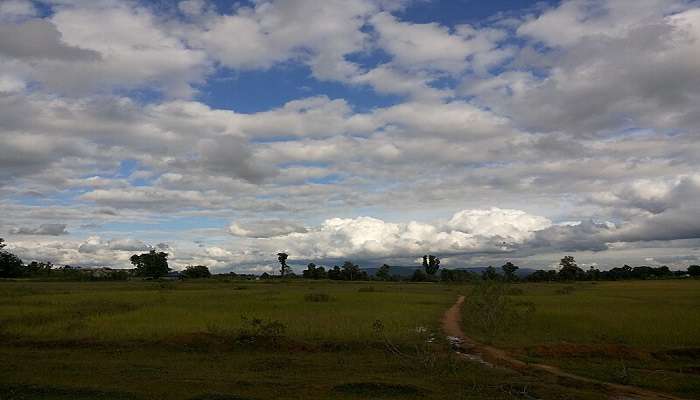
(468,231)
(515,225)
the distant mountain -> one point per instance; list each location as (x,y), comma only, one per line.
(406,271)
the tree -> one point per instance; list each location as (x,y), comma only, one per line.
(419,276)
(509,271)
(284,268)
(196,271)
(309,272)
(152,264)
(593,274)
(383,273)
(11,266)
(455,275)
(490,274)
(569,270)
(320,273)
(314,272)
(543,276)
(35,268)
(335,274)
(351,272)
(431,264)
(694,270)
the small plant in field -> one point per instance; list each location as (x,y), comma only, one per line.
(422,355)
(317,297)
(367,289)
(623,375)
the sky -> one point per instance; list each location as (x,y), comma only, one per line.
(224,132)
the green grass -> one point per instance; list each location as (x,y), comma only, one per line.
(197,340)
(614,331)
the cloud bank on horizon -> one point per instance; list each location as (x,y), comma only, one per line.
(371,130)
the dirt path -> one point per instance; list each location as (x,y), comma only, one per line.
(451,324)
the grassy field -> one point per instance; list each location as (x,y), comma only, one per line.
(643,333)
(214,339)
(238,340)
(152,311)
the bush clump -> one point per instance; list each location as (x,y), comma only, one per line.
(566,290)
(258,329)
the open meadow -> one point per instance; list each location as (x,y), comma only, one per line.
(218,339)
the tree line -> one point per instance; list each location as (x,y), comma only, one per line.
(154,264)
(147,265)
(570,271)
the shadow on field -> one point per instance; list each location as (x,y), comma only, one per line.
(378,389)
(32,392)
(214,396)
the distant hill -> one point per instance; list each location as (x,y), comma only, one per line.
(405,271)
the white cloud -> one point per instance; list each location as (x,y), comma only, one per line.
(432,46)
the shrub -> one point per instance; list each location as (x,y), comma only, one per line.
(317,297)
(492,312)
(257,329)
